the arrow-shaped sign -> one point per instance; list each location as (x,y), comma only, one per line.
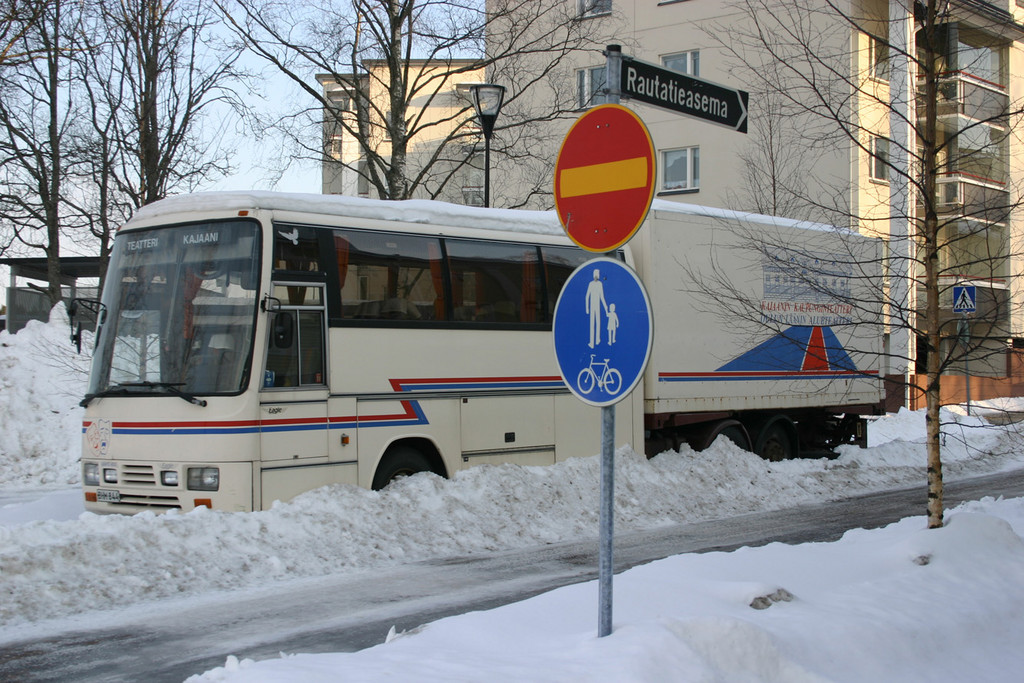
(684,94)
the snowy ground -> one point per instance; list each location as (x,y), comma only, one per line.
(899,604)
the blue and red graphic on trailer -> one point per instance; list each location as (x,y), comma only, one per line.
(799,352)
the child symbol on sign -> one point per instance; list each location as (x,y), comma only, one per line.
(613,323)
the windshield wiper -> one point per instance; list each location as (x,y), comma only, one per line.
(171,387)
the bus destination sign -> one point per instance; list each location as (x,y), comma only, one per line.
(684,94)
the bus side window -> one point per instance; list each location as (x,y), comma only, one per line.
(390,276)
(493,282)
(295,354)
(559,262)
(296,248)
(282,352)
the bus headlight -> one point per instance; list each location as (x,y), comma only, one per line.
(203,478)
(109,475)
(169,477)
(91,474)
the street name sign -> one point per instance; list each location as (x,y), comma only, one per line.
(603,331)
(684,94)
(604,178)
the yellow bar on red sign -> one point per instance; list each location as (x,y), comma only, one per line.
(627,174)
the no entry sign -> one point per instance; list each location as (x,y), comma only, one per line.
(604,178)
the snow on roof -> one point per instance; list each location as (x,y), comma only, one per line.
(407,211)
(424,211)
(743,216)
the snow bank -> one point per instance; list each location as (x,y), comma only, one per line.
(893,605)
(45,566)
(41,382)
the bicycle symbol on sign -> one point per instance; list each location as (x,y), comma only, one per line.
(610,379)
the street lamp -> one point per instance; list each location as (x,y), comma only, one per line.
(487,99)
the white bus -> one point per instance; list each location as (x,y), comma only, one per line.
(257,345)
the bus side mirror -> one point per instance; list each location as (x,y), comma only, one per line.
(284,330)
(76,336)
(98,310)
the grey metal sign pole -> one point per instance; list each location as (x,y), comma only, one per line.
(606,563)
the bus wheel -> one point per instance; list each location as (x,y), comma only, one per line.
(775,443)
(398,462)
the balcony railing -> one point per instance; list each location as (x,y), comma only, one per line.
(961,94)
(978,199)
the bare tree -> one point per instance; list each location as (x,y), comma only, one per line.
(923,101)
(37,118)
(392,66)
(103,109)
(16,20)
(776,174)
(152,73)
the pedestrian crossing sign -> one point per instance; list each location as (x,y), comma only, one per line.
(964,299)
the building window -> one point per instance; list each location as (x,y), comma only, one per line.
(473,181)
(590,87)
(363,178)
(880,159)
(681,169)
(879,56)
(979,60)
(684,62)
(593,8)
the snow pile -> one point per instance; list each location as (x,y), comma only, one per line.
(42,380)
(893,605)
(45,566)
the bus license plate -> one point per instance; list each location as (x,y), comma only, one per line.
(108,496)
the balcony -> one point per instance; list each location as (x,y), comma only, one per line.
(962,195)
(975,252)
(964,95)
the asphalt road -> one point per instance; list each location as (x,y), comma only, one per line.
(172,641)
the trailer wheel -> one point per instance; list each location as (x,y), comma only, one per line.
(735,432)
(398,462)
(702,438)
(775,442)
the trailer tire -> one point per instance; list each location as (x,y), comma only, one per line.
(399,461)
(731,429)
(735,432)
(775,442)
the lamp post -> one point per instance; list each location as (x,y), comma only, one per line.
(487,100)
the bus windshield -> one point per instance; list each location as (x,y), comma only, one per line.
(180,310)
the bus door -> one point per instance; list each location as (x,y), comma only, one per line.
(293,398)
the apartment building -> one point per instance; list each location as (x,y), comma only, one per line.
(447,136)
(831,139)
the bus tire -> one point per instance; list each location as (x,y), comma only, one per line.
(399,461)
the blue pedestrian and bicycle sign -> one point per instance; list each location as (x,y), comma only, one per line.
(603,330)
